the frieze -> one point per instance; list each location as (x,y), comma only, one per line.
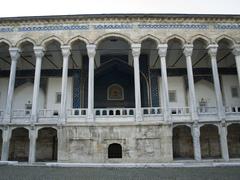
(121,26)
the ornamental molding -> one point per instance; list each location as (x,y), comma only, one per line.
(118,26)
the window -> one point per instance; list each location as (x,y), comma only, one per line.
(114,151)
(115,92)
(172,96)
(235,92)
(58,97)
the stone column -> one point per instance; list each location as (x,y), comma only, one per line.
(32,145)
(162,52)
(38,54)
(6,136)
(212,50)
(196,142)
(223,141)
(65,52)
(188,48)
(91,49)
(236,52)
(136,50)
(14,53)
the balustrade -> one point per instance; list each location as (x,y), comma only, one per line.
(115,112)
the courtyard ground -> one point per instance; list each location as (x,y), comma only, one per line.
(79,173)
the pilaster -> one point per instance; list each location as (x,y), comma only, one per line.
(223,141)
(6,136)
(196,142)
(33,133)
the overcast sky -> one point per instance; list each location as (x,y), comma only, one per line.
(10,8)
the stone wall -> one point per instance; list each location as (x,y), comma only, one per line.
(140,143)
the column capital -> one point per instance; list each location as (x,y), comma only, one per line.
(162,50)
(212,49)
(188,49)
(236,50)
(38,51)
(66,50)
(136,49)
(14,53)
(91,50)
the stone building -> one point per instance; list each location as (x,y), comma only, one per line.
(120,88)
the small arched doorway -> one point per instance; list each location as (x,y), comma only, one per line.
(19,145)
(47,145)
(210,142)
(114,151)
(233,138)
(182,143)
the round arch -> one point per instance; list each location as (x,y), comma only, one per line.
(182,142)
(19,144)
(233,137)
(47,144)
(114,151)
(210,141)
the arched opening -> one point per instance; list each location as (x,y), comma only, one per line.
(78,68)
(182,143)
(114,151)
(203,78)
(47,145)
(228,76)
(233,138)
(5,65)
(19,145)
(149,66)
(1,143)
(113,66)
(210,142)
(177,76)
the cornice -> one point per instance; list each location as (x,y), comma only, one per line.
(121,18)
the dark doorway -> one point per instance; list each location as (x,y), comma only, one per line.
(47,145)
(114,151)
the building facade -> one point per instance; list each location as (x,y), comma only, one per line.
(120,88)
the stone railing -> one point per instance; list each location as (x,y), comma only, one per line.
(114,112)
(21,113)
(76,112)
(207,110)
(232,110)
(1,113)
(179,111)
(152,111)
(48,113)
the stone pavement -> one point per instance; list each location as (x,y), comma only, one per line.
(8,172)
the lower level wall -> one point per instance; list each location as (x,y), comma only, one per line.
(140,143)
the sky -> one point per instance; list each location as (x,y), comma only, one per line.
(13,8)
